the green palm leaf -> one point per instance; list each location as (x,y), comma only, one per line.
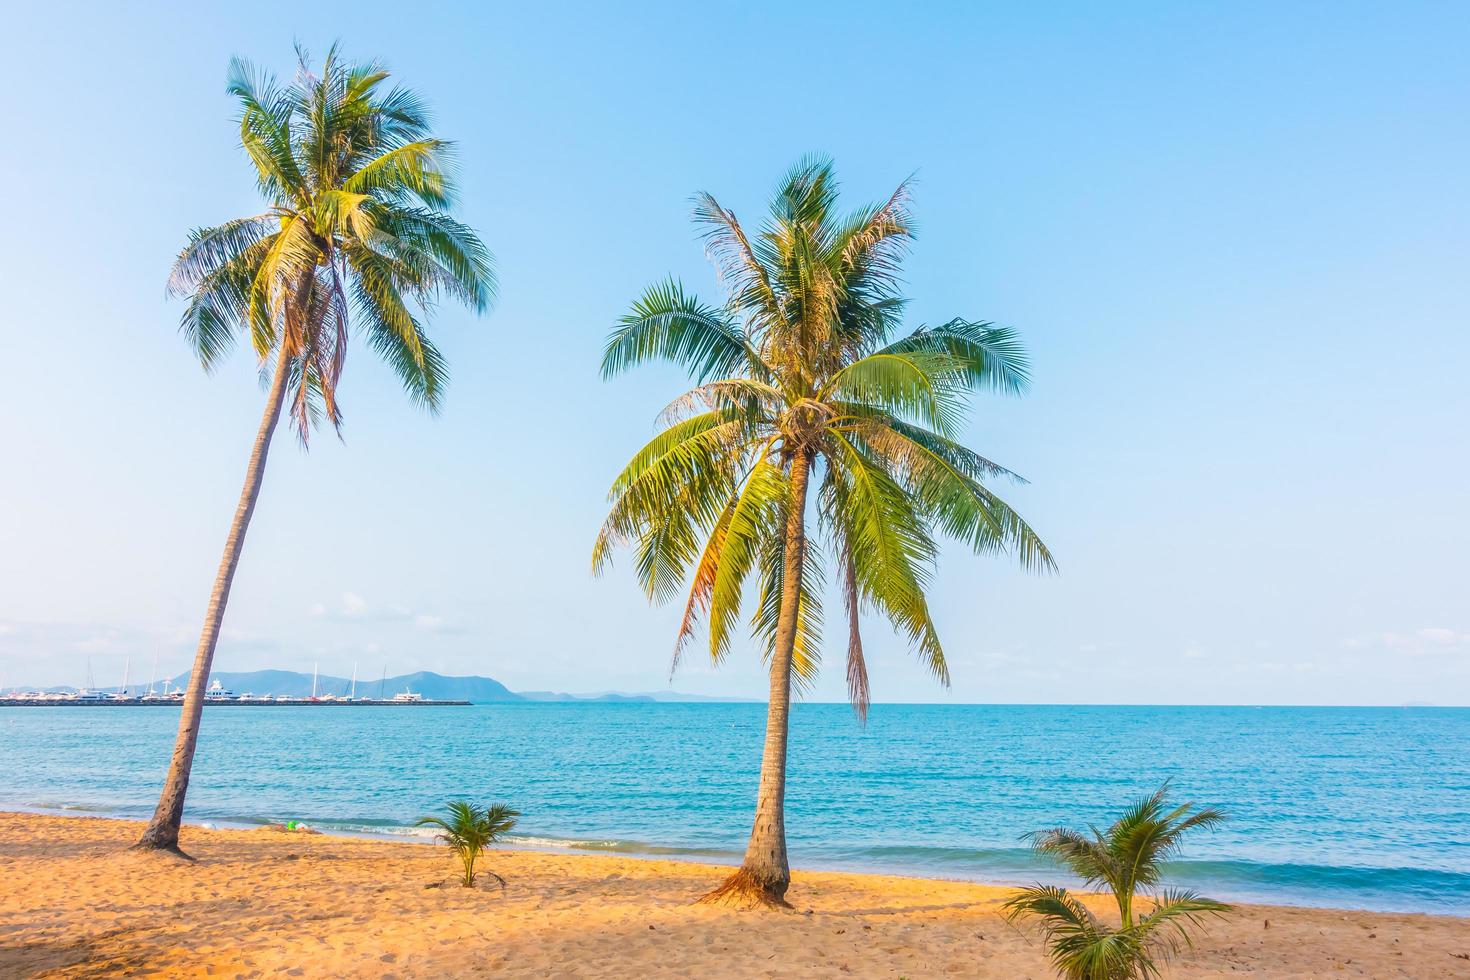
(668,324)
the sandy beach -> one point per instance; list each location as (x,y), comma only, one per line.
(74,903)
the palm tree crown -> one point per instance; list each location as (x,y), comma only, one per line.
(797,374)
(357,226)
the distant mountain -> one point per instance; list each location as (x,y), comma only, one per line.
(435,687)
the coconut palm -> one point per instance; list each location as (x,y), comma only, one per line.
(356,231)
(469,829)
(801,394)
(1126,857)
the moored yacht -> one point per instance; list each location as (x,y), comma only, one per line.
(217,692)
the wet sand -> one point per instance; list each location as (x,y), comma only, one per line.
(75,903)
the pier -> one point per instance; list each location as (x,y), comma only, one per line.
(109,702)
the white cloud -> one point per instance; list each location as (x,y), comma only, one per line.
(1426,641)
(354,607)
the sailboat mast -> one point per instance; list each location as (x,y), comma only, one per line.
(313,680)
(127,666)
(353,694)
(383,683)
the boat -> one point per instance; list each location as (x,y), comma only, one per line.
(217,692)
(121,694)
(407,696)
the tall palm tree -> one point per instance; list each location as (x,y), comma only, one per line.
(1125,858)
(357,229)
(799,387)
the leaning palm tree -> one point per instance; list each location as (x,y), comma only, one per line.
(1127,856)
(800,387)
(356,230)
(468,830)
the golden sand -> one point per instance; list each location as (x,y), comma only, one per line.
(75,903)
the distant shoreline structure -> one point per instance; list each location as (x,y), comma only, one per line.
(116,702)
(280,685)
(216,694)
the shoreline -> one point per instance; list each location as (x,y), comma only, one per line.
(640,850)
(77,903)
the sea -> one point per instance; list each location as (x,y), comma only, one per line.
(1340,807)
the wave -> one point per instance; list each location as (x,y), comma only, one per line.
(531,842)
(1380,888)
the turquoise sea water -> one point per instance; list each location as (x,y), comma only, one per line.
(1348,807)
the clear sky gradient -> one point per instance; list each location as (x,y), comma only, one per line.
(1236,238)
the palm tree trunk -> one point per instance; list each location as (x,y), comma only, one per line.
(163,830)
(764,875)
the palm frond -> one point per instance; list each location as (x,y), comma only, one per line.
(211,249)
(667,323)
(461,264)
(755,521)
(891,548)
(946,478)
(806,654)
(410,170)
(858,692)
(680,483)
(984,355)
(910,383)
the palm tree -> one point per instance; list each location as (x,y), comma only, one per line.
(356,228)
(469,829)
(1126,857)
(799,387)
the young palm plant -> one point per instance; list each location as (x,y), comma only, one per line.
(1124,858)
(356,231)
(469,829)
(801,394)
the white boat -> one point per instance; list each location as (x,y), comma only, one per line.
(407,695)
(121,694)
(217,692)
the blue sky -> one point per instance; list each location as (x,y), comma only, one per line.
(1235,237)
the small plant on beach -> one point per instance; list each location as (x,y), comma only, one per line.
(469,829)
(1124,858)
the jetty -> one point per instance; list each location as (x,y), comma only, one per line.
(66,701)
